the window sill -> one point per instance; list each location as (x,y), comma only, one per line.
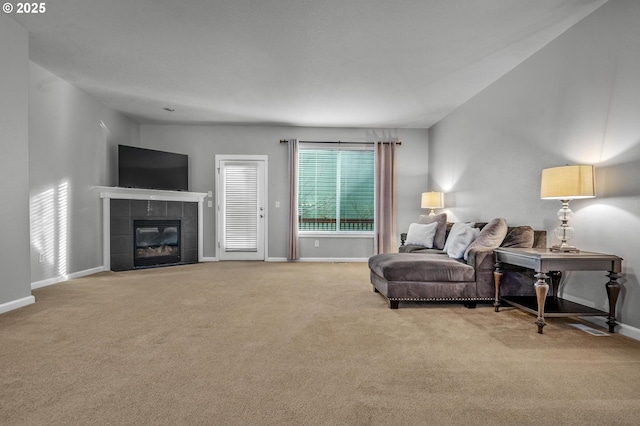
(334,234)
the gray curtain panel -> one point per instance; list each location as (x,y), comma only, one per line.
(293,249)
(386,197)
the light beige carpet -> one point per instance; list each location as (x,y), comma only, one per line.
(252,343)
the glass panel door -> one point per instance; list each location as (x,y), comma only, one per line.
(241,206)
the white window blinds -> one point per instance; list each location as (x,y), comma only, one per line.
(241,204)
(335,190)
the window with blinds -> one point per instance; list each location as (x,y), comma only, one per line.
(336,190)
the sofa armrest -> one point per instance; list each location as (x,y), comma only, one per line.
(481,258)
(403,238)
(483,261)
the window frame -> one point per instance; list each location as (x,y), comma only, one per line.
(339,233)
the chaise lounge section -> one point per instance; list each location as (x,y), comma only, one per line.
(431,274)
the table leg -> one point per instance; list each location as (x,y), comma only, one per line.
(613,289)
(497,279)
(542,288)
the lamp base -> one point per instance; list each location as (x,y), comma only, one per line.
(564,248)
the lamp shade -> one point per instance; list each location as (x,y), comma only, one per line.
(567,183)
(432,200)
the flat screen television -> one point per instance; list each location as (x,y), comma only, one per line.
(151,169)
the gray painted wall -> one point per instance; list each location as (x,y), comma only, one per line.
(15,282)
(203,143)
(575,101)
(72,140)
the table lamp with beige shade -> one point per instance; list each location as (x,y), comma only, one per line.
(566,183)
(432,200)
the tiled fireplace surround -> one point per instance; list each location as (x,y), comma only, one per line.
(121,206)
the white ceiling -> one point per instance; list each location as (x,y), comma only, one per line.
(326,63)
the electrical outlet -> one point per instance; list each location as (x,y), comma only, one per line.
(41,257)
(277,204)
(317,243)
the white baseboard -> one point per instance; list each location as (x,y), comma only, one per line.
(208,259)
(622,329)
(334,259)
(68,277)
(320,259)
(15,304)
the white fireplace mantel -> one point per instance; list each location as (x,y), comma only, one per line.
(149,194)
(108,192)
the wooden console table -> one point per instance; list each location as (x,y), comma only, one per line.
(551,264)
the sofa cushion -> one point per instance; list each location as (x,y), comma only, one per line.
(441,231)
(460,241)
(418,249)
(421,234)
(409,249)
(519,237)
(420,267)
(490,237)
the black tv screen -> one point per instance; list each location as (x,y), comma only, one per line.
(151,169)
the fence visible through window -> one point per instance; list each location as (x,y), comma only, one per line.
(362,225)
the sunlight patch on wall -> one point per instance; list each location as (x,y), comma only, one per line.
(62,213)
(49,217)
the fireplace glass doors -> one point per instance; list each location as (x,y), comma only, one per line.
(156,242)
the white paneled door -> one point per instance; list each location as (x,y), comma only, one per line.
(241,208)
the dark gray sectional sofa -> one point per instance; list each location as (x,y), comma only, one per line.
(419,274)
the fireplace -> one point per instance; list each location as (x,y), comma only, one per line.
(156,242)
(123,206)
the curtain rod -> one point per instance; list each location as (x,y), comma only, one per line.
(369,143)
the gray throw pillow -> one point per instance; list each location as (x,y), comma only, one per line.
(491,236)
(519,237)
(441,230)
